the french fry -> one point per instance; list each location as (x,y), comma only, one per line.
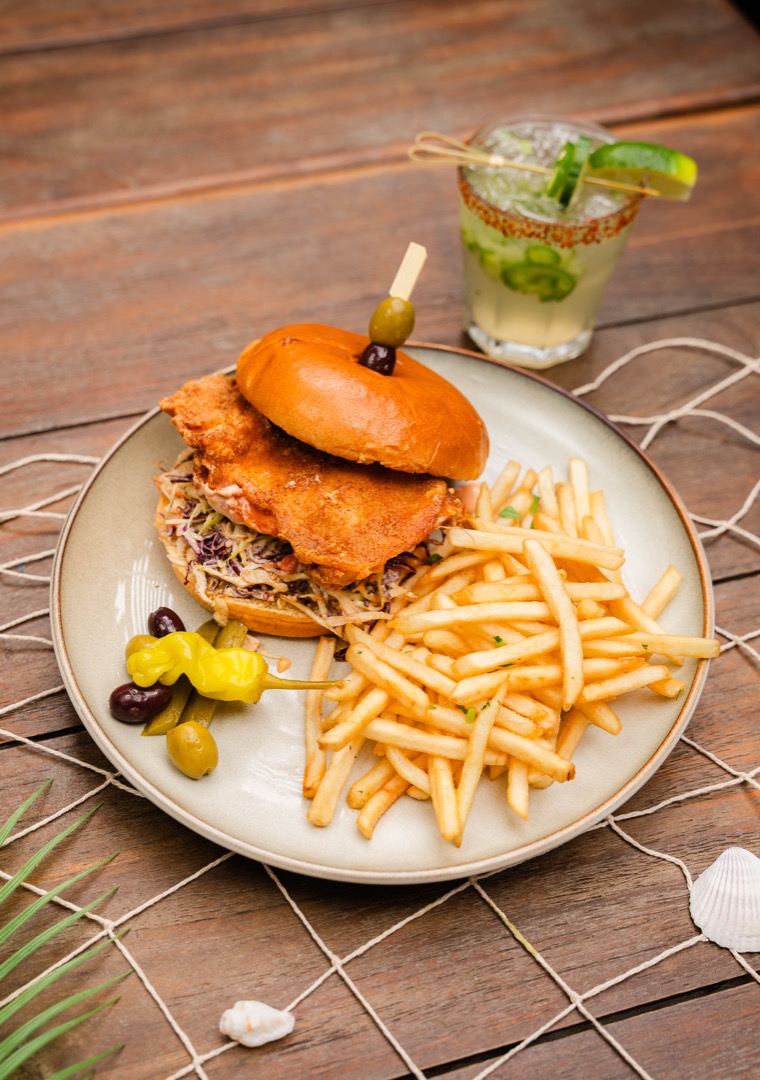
(567,517)
(601,715)
(495,661)
(366,786)
(578,474)
(669,688)
(571,731)
(403,662)
(388,679)
(445,618)
(326,796)
(415,774)
(379,803)
(477,663)
(444,797)
(555,594)
(607,689)
(533,752)
(473,763)
(370,705)
(504,484)
(483,505)
(316,760)
(517,787)
(547,495)
(510,539)
(662,593)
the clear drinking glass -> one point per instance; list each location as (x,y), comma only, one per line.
(534,273)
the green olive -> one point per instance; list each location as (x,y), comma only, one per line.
(392,322)
(192,749)
(138,642)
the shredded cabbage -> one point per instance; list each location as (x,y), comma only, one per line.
(230,561)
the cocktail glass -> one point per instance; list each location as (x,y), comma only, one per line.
(535,272)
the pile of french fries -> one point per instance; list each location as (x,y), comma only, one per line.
(518,635)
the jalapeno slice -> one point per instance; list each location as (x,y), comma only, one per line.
(544,281)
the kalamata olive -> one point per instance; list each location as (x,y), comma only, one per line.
(164,621)
(379,358)
(392,321)
(135,704)
(192,749)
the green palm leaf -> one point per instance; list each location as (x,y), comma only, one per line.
(22,1043)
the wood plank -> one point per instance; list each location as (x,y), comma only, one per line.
(59,24)
(700,1038)
(276,97)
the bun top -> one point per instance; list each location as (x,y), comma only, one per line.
(307,379)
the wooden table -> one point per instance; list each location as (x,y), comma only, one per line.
(176,180)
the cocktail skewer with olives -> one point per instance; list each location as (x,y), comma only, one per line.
(393,319)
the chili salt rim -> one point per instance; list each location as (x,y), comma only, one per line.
(557,233)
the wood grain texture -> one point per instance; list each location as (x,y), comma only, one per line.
(276,97)
(177,179)
(129,303)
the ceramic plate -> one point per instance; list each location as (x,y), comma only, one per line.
(110,572)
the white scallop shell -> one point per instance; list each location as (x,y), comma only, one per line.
(725,901)
(254,1023)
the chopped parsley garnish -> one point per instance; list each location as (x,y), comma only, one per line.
(510,512)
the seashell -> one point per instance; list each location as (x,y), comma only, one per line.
(725,901)
(253,1023)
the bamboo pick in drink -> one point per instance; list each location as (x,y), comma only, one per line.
(436,148)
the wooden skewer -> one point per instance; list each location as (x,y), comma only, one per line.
(408,272)
(433,147)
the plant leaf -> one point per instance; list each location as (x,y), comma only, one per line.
(48,978)
(72,1069)
(15,924)
(13,883)
(17,1047)
(46,935)
(23,1053)
(7,828)
(17,1037)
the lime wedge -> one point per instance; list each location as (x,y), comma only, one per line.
(568,169)
(669,172)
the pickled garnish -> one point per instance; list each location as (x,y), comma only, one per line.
(380,358)
(540,274)
(392,322)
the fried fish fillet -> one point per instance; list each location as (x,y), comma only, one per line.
(343,520)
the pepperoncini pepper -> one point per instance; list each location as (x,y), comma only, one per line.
(223,674)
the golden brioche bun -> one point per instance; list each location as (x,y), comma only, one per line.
(307,380)
(260,616)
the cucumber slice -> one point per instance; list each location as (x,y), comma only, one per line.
(568,170)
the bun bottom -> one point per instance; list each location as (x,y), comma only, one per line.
(259,616)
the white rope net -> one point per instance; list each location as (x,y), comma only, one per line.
(577,1006)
